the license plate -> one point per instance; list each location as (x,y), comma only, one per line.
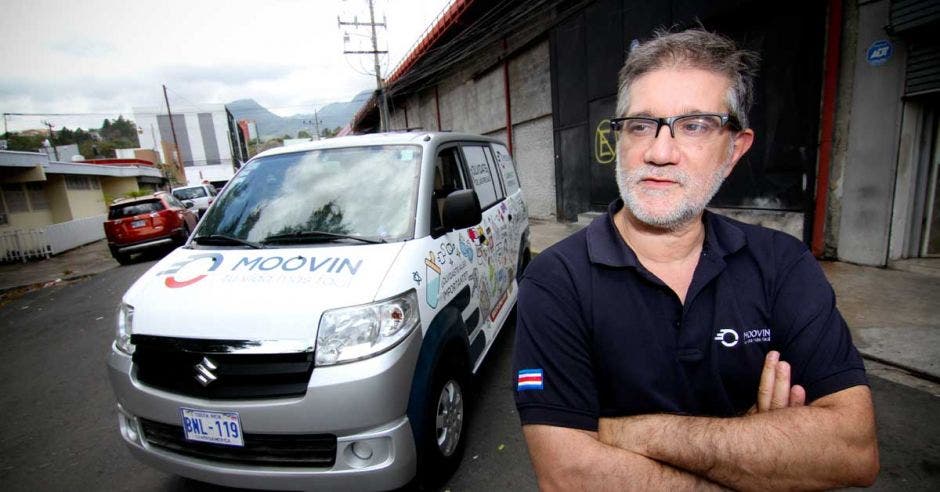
(212,427)
(138,223)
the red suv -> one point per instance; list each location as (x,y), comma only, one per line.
(153,221)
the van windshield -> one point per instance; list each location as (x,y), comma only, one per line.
(366,192)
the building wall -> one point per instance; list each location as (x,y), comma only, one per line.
(868,178)
(533,149)
(34,214)
(530,89)
(190,132)
(58,199)
(28,220)
(474,102)
(87,203)
(196,145)
(114,187)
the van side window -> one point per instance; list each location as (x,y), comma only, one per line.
(506,168)
(485,184)
(447,179)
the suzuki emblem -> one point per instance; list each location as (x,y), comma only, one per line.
(204,371)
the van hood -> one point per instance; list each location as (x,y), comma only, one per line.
(271,294)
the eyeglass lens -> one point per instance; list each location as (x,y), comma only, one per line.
(688,128)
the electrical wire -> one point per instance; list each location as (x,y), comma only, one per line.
(480,34)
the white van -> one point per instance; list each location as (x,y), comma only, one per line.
(320,328)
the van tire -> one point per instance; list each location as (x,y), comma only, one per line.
(445,421)
(525,256)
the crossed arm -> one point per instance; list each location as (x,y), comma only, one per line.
(780,444)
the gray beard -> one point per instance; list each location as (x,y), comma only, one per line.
(682,213)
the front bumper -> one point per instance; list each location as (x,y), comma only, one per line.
(363,402)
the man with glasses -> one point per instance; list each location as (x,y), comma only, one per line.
(665,346)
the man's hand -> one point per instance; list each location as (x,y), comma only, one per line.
(775,391)
(571,459)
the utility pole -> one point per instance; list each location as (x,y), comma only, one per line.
(315,122)
(176,145)
(379,83)
(52,139)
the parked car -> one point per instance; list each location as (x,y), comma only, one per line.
(201,195)
(145,223)
(339,298)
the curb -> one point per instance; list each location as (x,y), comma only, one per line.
(45,283)
(913,371)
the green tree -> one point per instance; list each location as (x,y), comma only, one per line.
(330,133)
(24,143)
(304,134)
(64,136)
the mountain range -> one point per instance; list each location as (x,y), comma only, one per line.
(270,125)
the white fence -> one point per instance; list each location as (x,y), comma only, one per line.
(43,242)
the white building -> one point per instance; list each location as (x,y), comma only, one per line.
(210,145)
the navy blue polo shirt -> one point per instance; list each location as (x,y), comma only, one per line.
(598,335)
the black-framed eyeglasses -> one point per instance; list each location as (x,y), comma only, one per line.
(683,127)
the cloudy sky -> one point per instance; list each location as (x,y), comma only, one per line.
(105,57)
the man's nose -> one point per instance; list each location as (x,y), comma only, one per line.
(662,149)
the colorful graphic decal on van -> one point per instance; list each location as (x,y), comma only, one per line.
(327,271)
(433,274)
(466,249)
(484,257)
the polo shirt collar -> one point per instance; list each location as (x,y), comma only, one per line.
(606,247)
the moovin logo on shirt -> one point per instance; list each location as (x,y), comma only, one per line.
(729,337)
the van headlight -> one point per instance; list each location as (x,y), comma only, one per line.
(125,322)
(360,332)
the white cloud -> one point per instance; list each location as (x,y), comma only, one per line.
(111,55)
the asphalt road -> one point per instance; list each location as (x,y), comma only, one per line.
(59,432)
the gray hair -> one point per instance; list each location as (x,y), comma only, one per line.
(694,48)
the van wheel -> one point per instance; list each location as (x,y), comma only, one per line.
(445,419)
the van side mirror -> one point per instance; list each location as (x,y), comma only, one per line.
(461,210)
(188,204)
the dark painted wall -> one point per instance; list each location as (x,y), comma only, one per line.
(589,47)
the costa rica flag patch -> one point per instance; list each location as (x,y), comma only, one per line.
(529,379)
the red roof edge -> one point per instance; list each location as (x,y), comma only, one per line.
(117,162)
(447,20)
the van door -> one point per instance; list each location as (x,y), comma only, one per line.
(493,254)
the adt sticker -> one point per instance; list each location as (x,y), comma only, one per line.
(879,52)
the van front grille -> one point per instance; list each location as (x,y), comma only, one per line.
(176,364)
(295,450)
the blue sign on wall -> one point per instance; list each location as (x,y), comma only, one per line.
(879,52)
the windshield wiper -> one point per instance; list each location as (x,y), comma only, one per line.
(226,239)
(315,236)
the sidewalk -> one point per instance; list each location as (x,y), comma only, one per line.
(894,314)
(72,265)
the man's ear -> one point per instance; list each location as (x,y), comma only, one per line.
(741,143)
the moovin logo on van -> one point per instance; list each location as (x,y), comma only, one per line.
(188,271)
(215,260)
